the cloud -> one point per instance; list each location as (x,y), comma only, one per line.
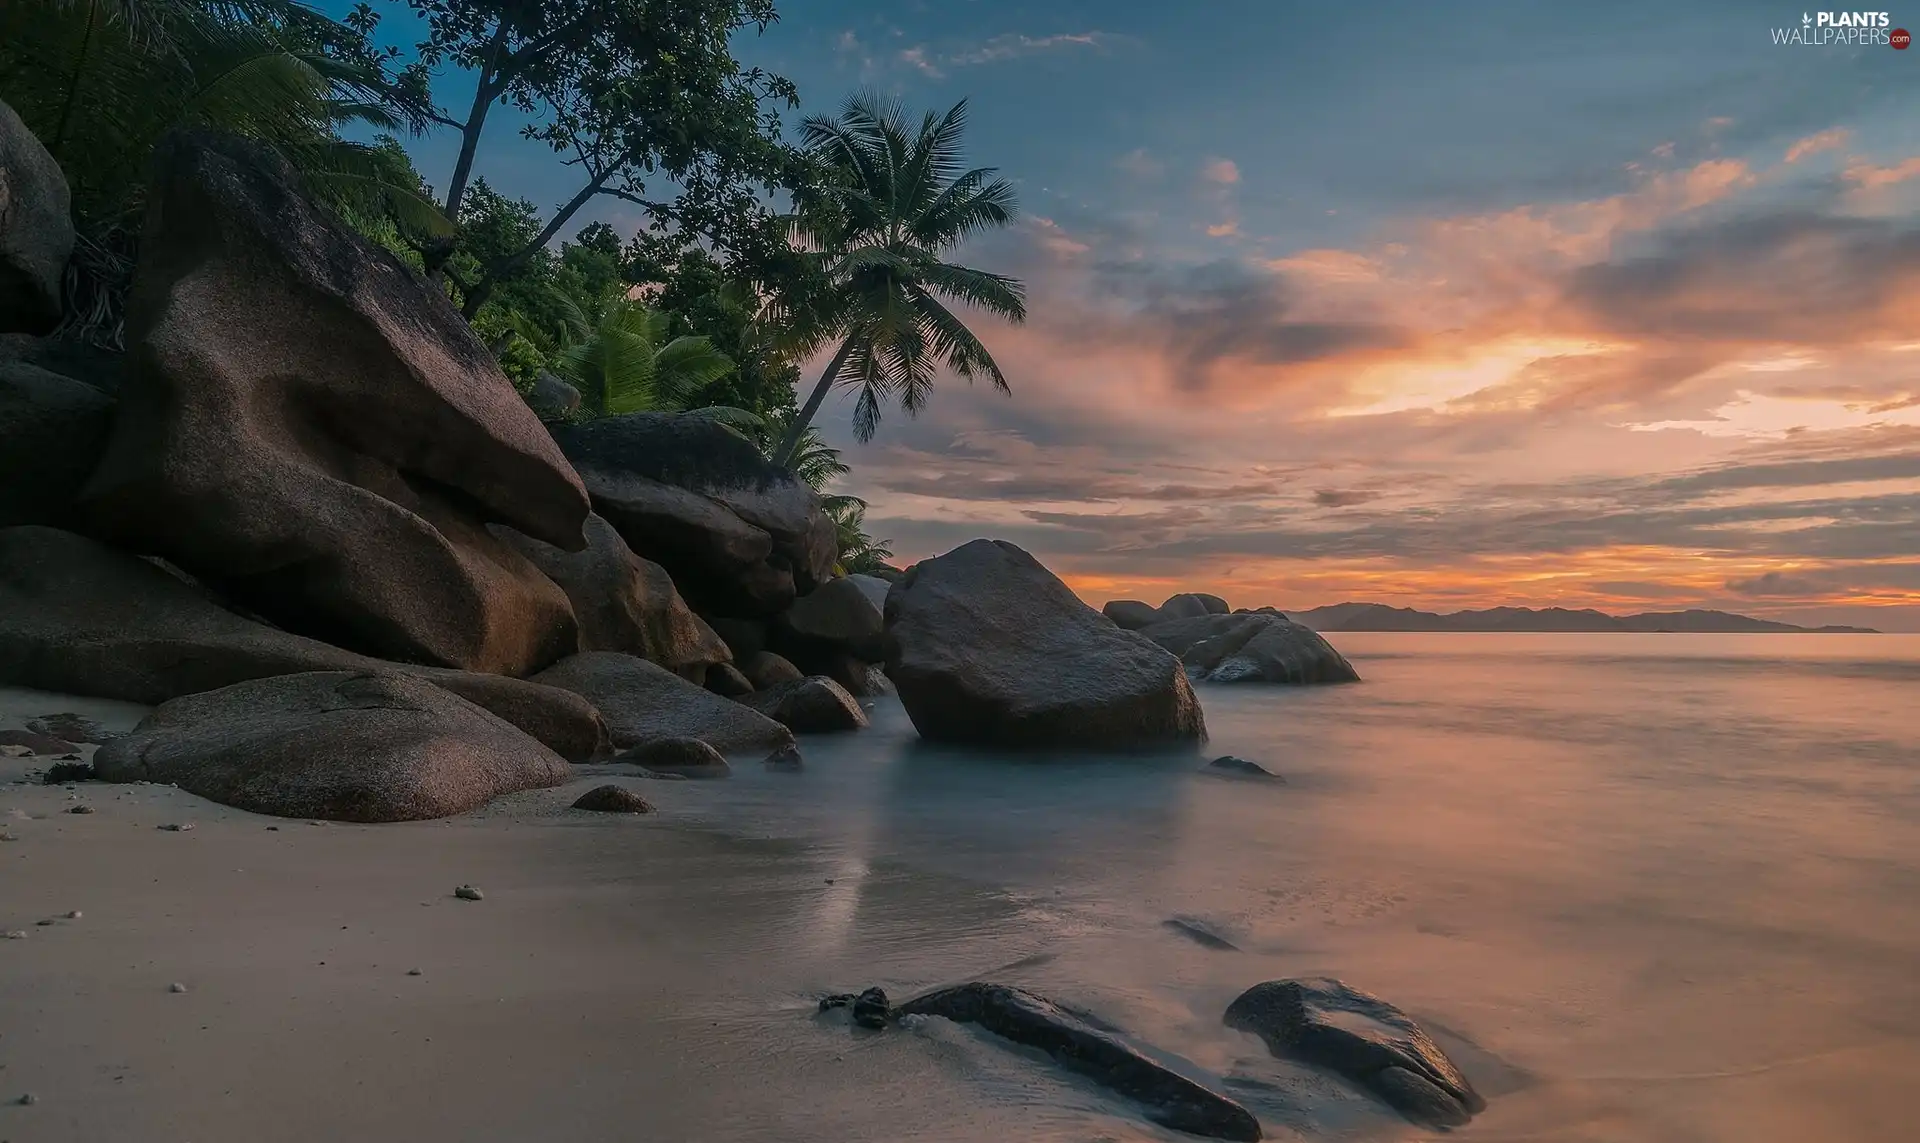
(1866,176)
(1775,583)
(1223,171)
(916,58)
(1007,47)
(1344,497)
(1828,140)
(1140,164)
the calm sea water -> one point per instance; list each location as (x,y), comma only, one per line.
(1645,887)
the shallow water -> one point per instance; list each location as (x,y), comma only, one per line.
(1645,887)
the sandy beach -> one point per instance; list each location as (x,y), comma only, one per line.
(1615,944)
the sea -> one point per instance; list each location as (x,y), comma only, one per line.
(1644,889)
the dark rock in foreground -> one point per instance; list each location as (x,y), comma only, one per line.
(809,706)
(764,670)
(869,1009)
(728,681)
(643,702)
(335,745)
(1251,647)
(1171,1099)
(740,536)
(1229,764)
(312,427)
(612,799)
(36,229)
(1362,1037)
(78,617)
(987,646)
(1200,933)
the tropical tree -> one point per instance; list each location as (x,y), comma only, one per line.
(644,100)
(877,235)
(624,359)
(860,554)
(100,82)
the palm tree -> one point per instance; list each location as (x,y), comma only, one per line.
(899,201)
(860,554)
(816,463)
(99,82)
(624,360)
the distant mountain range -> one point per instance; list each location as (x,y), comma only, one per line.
(1380,617)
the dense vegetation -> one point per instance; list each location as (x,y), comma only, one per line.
(757,251)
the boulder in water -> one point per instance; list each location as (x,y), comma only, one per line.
(612,799)
(765,669)
(1252,647)
(987,646)
(335,745)
(1171,1099)
(1332,1025)
(845,613)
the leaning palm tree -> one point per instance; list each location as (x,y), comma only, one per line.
(899,199)
(627,361)
(815,462)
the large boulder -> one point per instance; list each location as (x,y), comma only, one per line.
(766,669)
(36,230)
(643,702)
(809,706)
(846,614)
(1252,647)
(338,745)
(1131,614)
(1356,1034)
(52,431)
(740,536)
(311,426)
(987,646)
(78,617)
(624,603)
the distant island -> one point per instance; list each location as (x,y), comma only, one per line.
(1380,617)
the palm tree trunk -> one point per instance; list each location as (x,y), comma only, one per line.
(798,429)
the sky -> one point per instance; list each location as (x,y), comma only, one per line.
(1436,305)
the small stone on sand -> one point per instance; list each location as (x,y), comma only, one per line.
(28,1100)
(79,809)
(612,799)
(75,915)
(468,893)
(176,987)
(16,934)
(413,972)
(177,827)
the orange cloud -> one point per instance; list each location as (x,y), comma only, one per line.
(1828,140)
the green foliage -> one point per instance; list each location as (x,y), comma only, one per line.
(900,199)
(99,82)
(628,361)
(860,554)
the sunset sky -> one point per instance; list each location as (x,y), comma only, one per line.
(1439,305)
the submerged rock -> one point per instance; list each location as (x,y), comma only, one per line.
(1251,647)
(987,646)
(1171,1099)
(1230,764)
(1200,933)
(1330,1024)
